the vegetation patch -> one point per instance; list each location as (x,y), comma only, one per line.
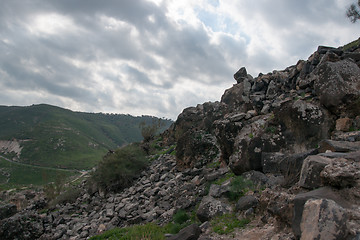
(227,223)
(118,169)
(238,187)
(180,220)
(137,232)
(16,175)
(351,45)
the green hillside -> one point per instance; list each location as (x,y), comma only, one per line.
(55,137)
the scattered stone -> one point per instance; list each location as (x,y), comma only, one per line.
(343,124)
(246,202)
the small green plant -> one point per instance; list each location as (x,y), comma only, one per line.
(180,216)
(227,223)
(271,129)
(251,135)
(224,179)
(238,187)
(353,129)
(179,220)
(215,164)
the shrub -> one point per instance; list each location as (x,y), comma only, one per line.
(180,216)
(118,169)
(180,220)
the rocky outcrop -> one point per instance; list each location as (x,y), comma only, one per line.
(287,111)
(7,210)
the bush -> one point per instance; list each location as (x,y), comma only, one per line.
(118,169)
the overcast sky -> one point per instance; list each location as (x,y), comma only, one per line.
(155,57)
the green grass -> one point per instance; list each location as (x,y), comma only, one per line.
(21,175)
(227,223)
(224,179)
(351,45)
(180,220)
(138,232)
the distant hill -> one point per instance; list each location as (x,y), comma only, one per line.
(55,137)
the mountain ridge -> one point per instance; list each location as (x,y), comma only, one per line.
(51,136)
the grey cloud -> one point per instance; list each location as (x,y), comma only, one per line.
(185,53)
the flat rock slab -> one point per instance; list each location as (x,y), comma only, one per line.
(310,171)
(339,146)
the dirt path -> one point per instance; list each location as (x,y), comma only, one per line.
(41,167)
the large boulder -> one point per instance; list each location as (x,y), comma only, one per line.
(323,219)
(293,165)
(246,202)
(339,146)
(236,97)
(341,173)
(7,210)
(210,207)
(338,86)
(304,124)
(195,149)
(310,171)
(191,232)
(240,75)
(300,200)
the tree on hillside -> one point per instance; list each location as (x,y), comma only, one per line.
(148,131)
(353,12)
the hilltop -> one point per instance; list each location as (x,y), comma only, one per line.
(50,136)
(278,157)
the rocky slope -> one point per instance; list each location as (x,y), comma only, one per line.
(293,133)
